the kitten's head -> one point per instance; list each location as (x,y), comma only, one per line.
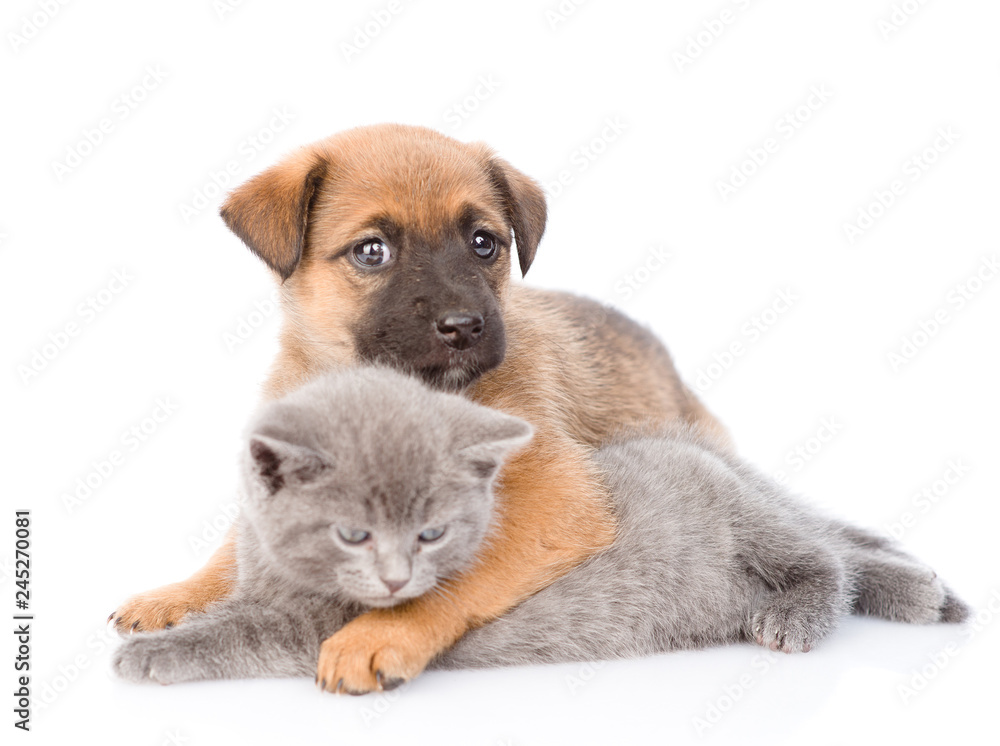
(369,486)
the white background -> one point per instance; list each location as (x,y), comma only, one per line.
(553,82)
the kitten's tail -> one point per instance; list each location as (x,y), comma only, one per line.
(891,584)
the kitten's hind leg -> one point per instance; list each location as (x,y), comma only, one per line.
(864,539)
(228,642)
(954,610)
(893,586)
(802,605)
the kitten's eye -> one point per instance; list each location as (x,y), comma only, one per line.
(484,245)
(352,535)
(431,534)
(372,253)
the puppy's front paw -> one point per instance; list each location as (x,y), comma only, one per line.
(372,654)
(153,610)
(780,626)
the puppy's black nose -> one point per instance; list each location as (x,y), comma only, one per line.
(460,329)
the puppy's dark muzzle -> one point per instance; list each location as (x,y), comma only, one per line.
(460,329)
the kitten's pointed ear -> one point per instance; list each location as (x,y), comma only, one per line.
(270,212)
(489,438)
(277,462)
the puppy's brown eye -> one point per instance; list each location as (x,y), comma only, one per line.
(373,253)
(484,245)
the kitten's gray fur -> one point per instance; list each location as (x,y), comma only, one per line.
(709,550)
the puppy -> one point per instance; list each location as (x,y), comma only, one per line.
(393,244)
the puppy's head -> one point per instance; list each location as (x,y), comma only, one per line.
(393,245)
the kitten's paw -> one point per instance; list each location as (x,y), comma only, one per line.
(954,610)
(781,626)
(373,653)
(157,609)
(152,659)
(917,596)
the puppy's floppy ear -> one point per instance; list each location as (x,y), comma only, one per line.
(524,202)
(270,211)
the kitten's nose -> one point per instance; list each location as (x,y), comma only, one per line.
(395,585)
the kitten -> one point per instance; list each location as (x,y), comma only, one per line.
(361,490)
(366,488)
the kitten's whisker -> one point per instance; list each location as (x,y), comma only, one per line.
(446,592)
(441,589)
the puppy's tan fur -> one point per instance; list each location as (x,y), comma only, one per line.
(578,372)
